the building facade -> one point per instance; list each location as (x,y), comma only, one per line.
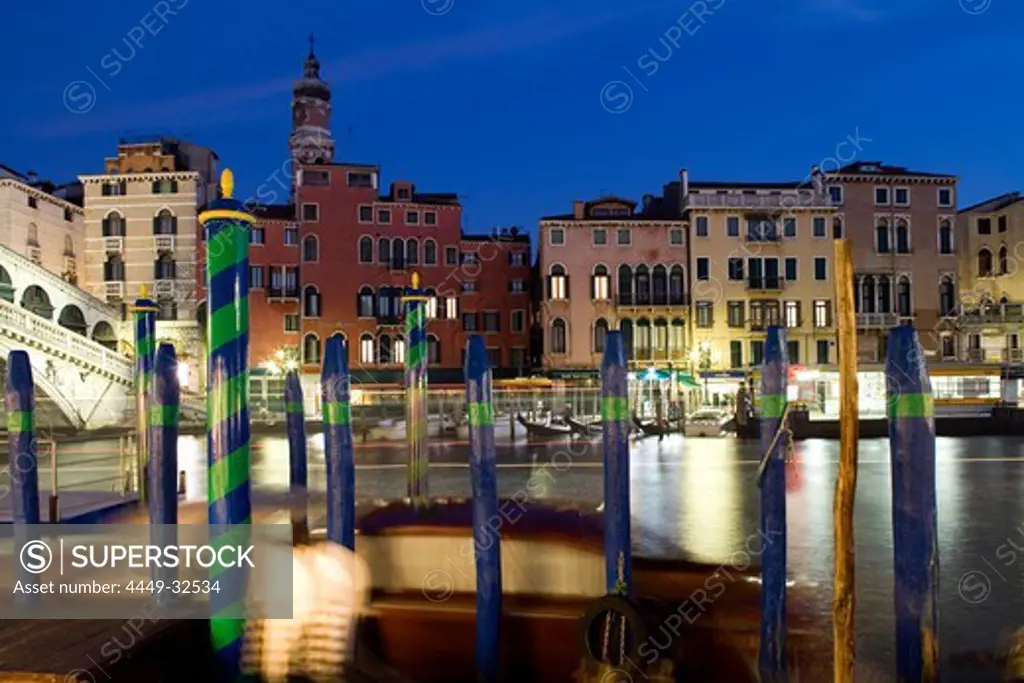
(609,265)
(900,223)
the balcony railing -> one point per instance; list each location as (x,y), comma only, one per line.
(282,293)
(1013,355)
(759,201)
(163,242)
(766,283)
(113,290)
(762,325)
(767,237)
(115,244)
(994,315)
(654,355)
(647,301)
(877,321)
(164,288)
(976,355)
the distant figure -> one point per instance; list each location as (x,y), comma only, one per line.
(742,405)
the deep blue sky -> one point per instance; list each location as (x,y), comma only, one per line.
(500,100)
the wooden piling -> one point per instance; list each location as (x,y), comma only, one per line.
(844,633)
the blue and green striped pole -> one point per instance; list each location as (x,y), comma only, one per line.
(295,425)
(915,544)
(339,449)
(227,227)
(164,409)
(615,440)
(19,402)
(145,350)
(415,301)
(486,540)
(774,376)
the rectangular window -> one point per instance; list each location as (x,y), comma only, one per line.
(623,238)
(412,217)
(762,230)
(793,352)
(518,321)
(735,354)
(789,226)
(403,193)
(492,321)
(430,218)
(984,226)
(702,226)
(451,256)
(732,226)
(820,268)
(945,196)
(291,322)
(819,226)
(517,286)
(792,314)
(822,313)
(703,268)
(517,258)
(675,237)
(469,258)
(33,204)
(469,286)
(881,196)
(735,269)
(384,216)
(756,352)
(835,194)
(736,313)
(451,308)
(291,237)
(822,352)
(557,236)
(494,357)
(600,237)
(705,316)
(1002,223)
(791,269)
(519,358)
(255,277)
(360,180)
(68,215)
(318,178)
(901,196)
(310,212)
(365,214)
(469,322)
(256,236)
(558,287)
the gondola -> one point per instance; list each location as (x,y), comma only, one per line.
(536,429)
(654,429)
(583,429)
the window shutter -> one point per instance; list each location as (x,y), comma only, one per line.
(547,287)
(156,225)
(593,287)
(174,225)
(106,227)
(566,286)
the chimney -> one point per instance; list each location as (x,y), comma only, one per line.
(514,231)
(32,177)
(648,201)
(577,209)
(684,183)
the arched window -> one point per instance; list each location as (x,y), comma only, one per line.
(984,263)
(643,285)
(384,349)
(398,350)
(947,296)
(643,338)
(558,283)
(902,237)
(429,253)
(945,237)
(433,350)
(311,302)
(677,286)
(659,285)
(867,296)
(384,250)
(164,268)
(884,294)
(366,250)
(397,253)
(366,349)
(431,304)
(113,268)
(69,246)
(882,237)
(600,335)
(365,305)
(903,301)
(113,225)
(676,338)
(33,235)
(1004,266)
(625,285)
(837,228)
(412,252)
(164,223)
(626,328)
(660,338)
(311,249)
(311,349)
(600,284)
(559,341)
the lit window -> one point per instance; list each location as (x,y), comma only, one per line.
(366,349)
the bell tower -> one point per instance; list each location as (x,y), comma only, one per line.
(310,140)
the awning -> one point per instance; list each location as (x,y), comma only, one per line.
(688,381)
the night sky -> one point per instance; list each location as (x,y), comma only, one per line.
(514,104)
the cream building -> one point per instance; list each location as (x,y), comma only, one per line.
(40,226)
(141,229)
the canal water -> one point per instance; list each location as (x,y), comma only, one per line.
(698,498)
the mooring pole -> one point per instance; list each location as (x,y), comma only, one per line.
(486,538)
(615,439)
(415,300)
(915,539)
(163,464)
(227,226)
(145,349)
(20,404)
(295,423)
(844,629)
(339,449)
(774,375)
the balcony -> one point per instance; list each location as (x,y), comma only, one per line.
(1013,355)
(283,294)
(877,321)
(1002,314)
(113,244)
(976,355)
(761,325)
(113,290)
(766,283)
(164,289)
(766,237)
(805,199)
(163,242)
(657,302)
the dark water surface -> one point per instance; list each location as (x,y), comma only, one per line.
(698,498)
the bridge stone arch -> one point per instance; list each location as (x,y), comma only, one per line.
(103,333)
(71,317)
(35,299)
(6,285)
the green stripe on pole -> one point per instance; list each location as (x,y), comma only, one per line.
(224,326)
(336,413)
(912,405)
(416,354)
(480,414)
(226,399)
(615,408)
(147,346)
(293,407)
(219,260)
(164,416)
(227,474)
(223,632)
(773,405)
(19,421)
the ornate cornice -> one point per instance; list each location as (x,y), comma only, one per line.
(40,194)
(890,179)
(146,177)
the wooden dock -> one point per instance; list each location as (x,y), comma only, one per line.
(79,507)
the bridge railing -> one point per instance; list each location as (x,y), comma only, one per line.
(15,320)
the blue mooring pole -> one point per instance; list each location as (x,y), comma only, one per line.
(615,439)
(774,375)
(19,402)
(486,540)
(915,544)
(339,452)
(295,422)
(164,409)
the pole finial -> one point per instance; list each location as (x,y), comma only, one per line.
(142,293)
(227,183)
(415,280)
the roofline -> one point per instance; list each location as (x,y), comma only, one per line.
(1005,195)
